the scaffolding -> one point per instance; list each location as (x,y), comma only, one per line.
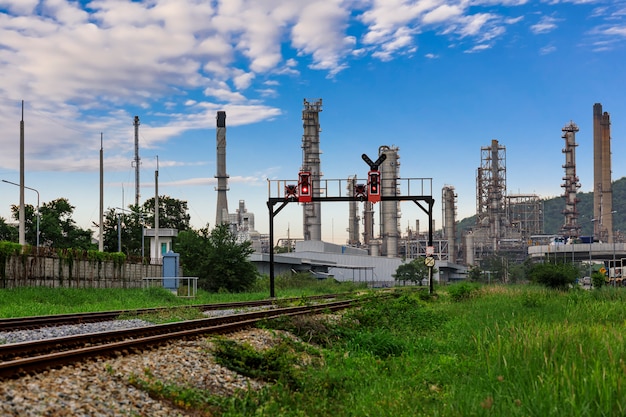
(525,214)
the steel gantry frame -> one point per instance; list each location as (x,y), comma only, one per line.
(283,201)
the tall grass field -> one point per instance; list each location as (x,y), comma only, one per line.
(466,350)
(470,351)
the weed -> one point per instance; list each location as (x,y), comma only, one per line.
(169,315)
(280,363)
(186,398)
(462,291)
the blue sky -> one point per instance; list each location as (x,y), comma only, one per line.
(439,79)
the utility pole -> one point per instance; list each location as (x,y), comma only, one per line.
(137,161)
(156,213)
(101,220)
(22,226)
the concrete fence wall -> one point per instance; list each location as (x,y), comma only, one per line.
(38,271)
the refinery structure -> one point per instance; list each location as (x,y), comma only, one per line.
(506,224)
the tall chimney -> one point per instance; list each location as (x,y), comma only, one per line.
(602,187)
(222,178)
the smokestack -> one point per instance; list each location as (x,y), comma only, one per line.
(448,199)
(602,187)
(221,216)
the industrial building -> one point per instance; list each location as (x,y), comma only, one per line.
(506,224)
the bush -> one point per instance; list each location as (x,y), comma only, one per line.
(598,280)
(556,276)
(462,291)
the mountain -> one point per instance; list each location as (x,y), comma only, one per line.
(553,217)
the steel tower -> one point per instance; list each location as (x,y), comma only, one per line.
(571,185)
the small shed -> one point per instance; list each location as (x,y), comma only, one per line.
(166,236)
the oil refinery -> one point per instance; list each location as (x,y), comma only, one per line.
(506,224)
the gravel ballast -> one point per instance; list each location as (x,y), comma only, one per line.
(101,387)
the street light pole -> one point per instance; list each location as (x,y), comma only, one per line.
(141,220)
(590,246)
(119,232)
(32,189)
(614,265)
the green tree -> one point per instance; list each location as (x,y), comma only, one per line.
(495,266)
(414,271)
(57,229)
(554,275)
(474,273)
(30,223)
(172,213)
(218,260)
(8,232)
(134,220)
(129,233)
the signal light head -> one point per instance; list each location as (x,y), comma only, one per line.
(304,187)
(373,182)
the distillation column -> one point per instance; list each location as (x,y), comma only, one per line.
(491,191)
(602,188)
(312,219)
(368,223)
(221,216)
(389,210)
(571,185)
(448,199)
(353,217)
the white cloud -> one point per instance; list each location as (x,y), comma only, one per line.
(69,61)
(19,6)
(545,25)
(320,32)
(478,48)
(442,13)
(242,79)
(546,50)
(615,30)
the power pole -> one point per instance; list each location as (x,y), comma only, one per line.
(137,160)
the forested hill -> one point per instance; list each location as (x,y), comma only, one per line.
(553,207)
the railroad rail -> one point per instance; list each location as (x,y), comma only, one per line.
(34,322)
(20,358)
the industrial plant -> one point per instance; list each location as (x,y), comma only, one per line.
(506,224)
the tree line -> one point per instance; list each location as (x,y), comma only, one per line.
(216,257)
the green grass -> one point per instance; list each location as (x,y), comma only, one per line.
(470,351)
(502,351)
(39,301)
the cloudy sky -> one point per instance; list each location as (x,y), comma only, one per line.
(439,79)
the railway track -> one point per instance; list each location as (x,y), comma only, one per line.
(20,358)
(22,323)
